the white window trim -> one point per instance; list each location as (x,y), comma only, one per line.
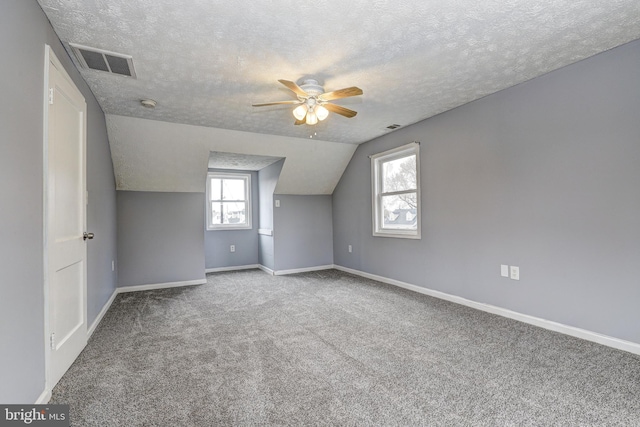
(227,175)
(376,187)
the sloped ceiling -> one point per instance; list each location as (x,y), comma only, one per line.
(205,62)
(159,156)
(233,161)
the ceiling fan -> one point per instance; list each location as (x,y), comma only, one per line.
(313,101)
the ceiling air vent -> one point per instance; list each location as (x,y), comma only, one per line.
(393,126)
(103,60)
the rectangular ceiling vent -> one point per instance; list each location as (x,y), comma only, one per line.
(103,60)
(393,126)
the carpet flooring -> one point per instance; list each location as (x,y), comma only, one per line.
(329,348)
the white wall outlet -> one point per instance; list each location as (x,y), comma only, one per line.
(113,265)
(232,248)
(350,248)
(277,203)
(504,270)
(515,272)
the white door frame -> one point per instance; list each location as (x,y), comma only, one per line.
(49,58)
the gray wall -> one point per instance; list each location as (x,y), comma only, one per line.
(160,237)
(101,213)
(303,232)
(267,181)
(217,243)
(545,176)
(24,30)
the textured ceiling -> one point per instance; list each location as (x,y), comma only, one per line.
(206,61)
(234,161)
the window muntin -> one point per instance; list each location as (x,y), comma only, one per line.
(396,192)
(228,201)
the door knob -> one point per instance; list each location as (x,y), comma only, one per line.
(86,236)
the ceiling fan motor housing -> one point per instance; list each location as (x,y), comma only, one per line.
(312,87)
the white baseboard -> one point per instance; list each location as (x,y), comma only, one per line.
(232,268)
(136,288)
(617,343)
(303,270)
(44,398)
(104,310)
(265,269)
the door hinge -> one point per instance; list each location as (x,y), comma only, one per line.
(52,340)
(51,96)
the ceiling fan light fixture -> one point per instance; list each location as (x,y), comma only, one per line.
(321,112)
(313,103)
(312,118)
(300,111)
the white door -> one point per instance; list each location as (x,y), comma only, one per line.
(65,212)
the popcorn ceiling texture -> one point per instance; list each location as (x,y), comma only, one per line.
(206,62)
(220,160)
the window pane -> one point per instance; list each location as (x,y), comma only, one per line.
(228,213)
(233,189)
(229,201)
(215,189)
(400,212)
(216,213)
(399,174)
(234,213)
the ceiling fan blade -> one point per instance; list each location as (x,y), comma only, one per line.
(341,93)
(295,88)
(340,110)
(299,122)
(277,103)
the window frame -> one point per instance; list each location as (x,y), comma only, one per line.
(247,190)
(377,162)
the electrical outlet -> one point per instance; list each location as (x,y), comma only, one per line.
(504,270)
(277,203)
(232,248)
(515,272)
(350,248)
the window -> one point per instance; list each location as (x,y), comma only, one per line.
(395,176)
(229,201)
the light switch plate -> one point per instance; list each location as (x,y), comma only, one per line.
(515,272)
(277,203)
(350,248)
(504,270)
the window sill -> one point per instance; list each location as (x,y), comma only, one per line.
(229,228)
(395,235)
